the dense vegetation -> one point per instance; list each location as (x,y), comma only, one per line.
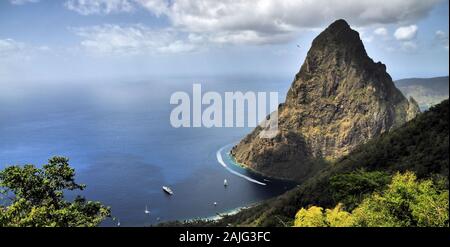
(405,202)
(35,197)
(350,188)
(420,146)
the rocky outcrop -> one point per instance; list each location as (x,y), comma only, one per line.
(339,99)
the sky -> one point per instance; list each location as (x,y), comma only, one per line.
(71,40)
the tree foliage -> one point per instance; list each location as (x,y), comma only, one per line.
(35,197)
(350,188)
(318,217)
(405,202)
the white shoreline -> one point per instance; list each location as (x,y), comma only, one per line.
(220,216)
(233,211)
(222,162)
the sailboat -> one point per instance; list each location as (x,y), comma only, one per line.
(225,183)
(146,211)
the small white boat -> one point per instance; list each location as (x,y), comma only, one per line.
(146,211)
(167,190)
(215,203)
(225,183)
(118,223)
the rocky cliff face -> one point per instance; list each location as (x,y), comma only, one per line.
(339,99)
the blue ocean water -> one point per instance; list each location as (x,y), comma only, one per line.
(118,137)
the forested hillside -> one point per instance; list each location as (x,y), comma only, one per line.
(420,146)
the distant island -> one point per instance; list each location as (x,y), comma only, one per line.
(426,91)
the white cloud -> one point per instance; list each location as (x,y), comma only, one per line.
(381,31)
(408,46)
(246,37)
(365,36)
(138,39)
(10,47)
(406,33)
(20,2)
(263,21)
(89,7)
(275,13)
(442,38)
(273,16)
(158,7)
(131,40)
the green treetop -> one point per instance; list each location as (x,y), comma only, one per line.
(31,196)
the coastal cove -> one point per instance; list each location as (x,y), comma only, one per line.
(225,159)
(118,137)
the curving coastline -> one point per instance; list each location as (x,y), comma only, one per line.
(222,162)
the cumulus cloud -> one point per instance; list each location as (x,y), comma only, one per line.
(271,13)
(89,7)
(442,38)
(131,40)
(138,39)
(406,36)
(381,31)
(21,2)
(262,21)
(406,33)
(287,15)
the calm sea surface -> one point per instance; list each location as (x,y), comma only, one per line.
(118,137)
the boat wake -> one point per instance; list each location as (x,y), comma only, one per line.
(222,162)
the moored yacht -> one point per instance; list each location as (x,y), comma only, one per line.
(167,190)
